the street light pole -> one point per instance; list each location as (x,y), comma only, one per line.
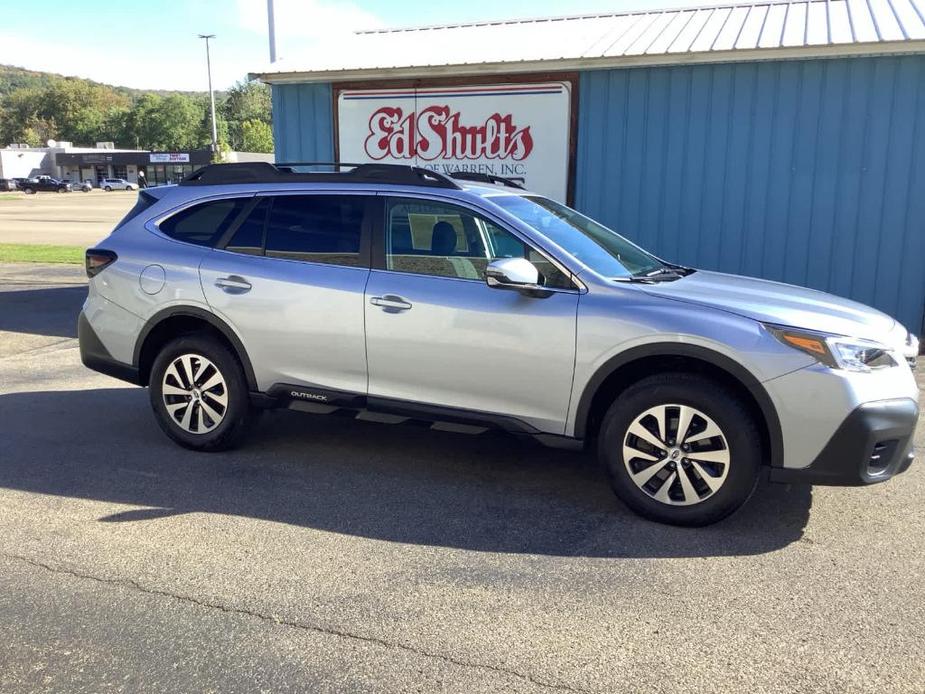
(211,93)
(271,25)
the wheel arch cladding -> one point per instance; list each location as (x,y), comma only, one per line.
(624,369)
(184,320)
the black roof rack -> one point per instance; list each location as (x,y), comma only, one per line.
(285,172)
(478,177)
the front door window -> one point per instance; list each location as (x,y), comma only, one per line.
(442,240)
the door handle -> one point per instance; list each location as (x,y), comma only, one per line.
(233,284)
(390,303)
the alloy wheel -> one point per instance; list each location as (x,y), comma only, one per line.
(676,454)
(195,393)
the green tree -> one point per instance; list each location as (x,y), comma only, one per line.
(81,109)
(23,116)
(256,136)
(246,101)
(167,123)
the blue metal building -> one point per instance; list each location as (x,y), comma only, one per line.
(781,140)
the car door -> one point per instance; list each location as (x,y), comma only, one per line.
(289,279)
(438,336)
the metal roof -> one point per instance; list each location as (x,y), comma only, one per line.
(721,33)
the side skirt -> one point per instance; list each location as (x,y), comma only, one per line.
(319,400)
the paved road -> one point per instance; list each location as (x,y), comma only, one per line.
(65,219)
(332,555)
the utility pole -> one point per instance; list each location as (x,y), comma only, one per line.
(211,93)
(271,25)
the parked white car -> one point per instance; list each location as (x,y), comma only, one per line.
(109,184)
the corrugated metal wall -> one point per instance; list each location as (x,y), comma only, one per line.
(809,172)
(303,122)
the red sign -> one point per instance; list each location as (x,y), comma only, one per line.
(438,133)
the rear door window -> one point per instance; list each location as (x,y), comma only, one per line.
(316,228)
(248,238)
(204,224)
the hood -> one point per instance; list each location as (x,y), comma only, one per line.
(775,302)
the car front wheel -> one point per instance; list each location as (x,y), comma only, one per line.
(681,449)
(199,394)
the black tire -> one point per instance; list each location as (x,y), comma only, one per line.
(28,191)
(237,417)
(108,189)
(709,398)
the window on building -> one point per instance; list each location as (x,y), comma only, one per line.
(316,228)
(204,224)
(449,241)
(119,172)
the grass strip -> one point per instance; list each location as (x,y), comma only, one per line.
(27,253)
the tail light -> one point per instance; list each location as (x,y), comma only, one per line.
(98,260)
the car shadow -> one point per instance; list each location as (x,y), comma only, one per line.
(399,483)
(47,311)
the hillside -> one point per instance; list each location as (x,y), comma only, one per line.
(13,77)
(39,106)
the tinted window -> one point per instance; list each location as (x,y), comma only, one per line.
(316,228)
(249,236)
(449,241)
(204,224)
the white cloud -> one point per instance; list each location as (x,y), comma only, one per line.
(302,24)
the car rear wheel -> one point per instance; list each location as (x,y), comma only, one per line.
(28,191)
(108,189)
(681,449)
(199,394)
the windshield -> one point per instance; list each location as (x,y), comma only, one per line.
(602,250)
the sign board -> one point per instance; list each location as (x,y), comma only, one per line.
(518,131)
(169,158)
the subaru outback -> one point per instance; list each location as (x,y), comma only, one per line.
(469,300)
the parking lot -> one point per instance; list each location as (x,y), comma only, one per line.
(64,219)
(335,555)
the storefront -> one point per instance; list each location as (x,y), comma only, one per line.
(158,168)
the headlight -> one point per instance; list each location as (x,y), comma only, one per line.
(836,352)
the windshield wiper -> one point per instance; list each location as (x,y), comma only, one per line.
(663,274)
(635,278)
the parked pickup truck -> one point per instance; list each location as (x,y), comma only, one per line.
(43,184)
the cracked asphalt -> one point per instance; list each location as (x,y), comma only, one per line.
(330,555)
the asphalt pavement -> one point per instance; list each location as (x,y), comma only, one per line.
(333,555)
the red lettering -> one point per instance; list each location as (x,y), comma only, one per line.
(438,133)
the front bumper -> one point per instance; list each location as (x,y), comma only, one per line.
(873,444)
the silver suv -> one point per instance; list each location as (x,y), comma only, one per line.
(468,300)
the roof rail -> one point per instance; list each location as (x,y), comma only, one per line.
(478,177)
(284,172)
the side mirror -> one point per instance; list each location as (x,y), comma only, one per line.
(513,273)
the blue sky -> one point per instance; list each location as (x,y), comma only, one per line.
(153,44)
